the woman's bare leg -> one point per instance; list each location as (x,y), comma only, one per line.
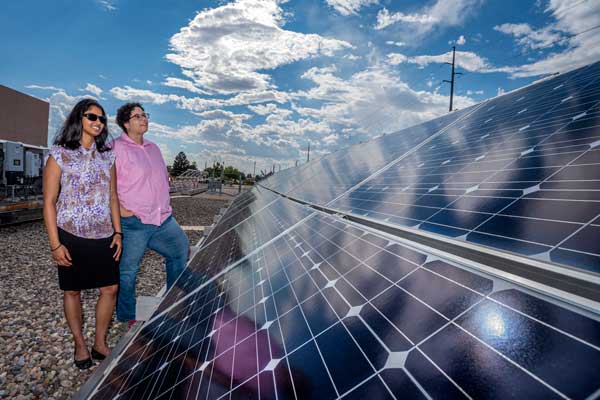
(104,311)
(74,316)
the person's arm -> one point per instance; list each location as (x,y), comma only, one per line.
(118,153)
(115,214)
(52,172)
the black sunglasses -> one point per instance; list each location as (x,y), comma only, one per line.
(93,117)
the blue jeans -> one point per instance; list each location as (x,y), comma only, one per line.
(168,240)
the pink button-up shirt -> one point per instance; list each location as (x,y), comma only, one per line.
(142,180)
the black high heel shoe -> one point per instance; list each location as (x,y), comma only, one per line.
(96,355)
(82,364)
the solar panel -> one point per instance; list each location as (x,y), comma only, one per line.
(287,302)
(331,176)
(261,217)
(330,310)
(520,173)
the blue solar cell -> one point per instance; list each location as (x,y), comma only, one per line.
(372,389)
(390,265)
(563,319)
(408,314)
(347,367)
(442,295)
(401,385)
(314,381)
(547,353)
(431,379)
(583,261)
(508,244)
(461,276)
(480,371)
(527,229)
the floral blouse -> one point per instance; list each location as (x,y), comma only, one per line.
(83,207)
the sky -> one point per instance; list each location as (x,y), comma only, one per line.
(250,81)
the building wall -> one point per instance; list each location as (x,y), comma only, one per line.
(23,118)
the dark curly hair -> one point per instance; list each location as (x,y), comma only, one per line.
(70,133)
(124,114)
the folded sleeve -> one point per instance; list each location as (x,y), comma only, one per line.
(56,153)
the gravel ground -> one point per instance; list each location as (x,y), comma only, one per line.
(36,350)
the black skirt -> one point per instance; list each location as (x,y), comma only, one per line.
(93,263)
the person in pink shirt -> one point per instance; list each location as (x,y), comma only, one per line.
(146,214)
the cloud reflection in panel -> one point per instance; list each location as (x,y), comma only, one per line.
(328,310)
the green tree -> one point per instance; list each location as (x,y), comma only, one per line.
(180,164)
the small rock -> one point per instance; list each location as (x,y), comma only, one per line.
(66,383)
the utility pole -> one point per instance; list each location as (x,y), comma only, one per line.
(308,154)
(451,81)
(254,173)
(221,179)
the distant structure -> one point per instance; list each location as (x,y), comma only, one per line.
(452,75)
(23,146)
(23,118)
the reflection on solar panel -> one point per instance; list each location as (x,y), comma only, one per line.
(331,176)
(329,310)
(287,302)
(254,219)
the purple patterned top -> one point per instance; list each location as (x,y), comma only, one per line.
(83,207)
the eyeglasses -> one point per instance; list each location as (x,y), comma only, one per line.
(93,117)
(140,116)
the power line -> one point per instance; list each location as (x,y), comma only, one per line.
(587,30)
(561,11)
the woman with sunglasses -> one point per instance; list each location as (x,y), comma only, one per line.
(81,214)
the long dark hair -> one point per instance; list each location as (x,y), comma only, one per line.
(71,131)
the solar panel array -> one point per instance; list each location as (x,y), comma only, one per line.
(520,173)
(329,310)
(285,302)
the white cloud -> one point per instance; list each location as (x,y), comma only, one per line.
(92,89)
(369,102)
(392,43)
(184,84)
(461,40)
(223,114)
(264,109)
(472,92)
(442,13)
(464,59)
(396,58)
(61,104)
(199,104)
(227,49)
(530,39)
(347,7)
(500,91)
(580,48)
(53,88)
(385,19)
(107,5)
(128,93)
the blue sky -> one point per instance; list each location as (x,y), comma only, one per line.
(256,80)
